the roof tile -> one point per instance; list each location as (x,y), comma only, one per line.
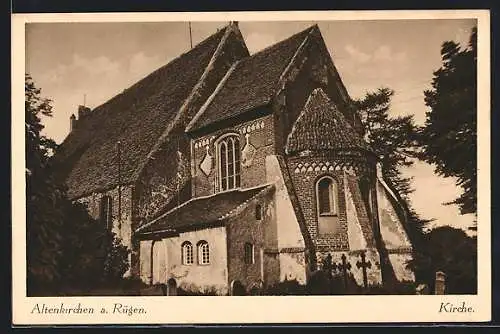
(321,126)
(134,119)
(201,211)
(252,83)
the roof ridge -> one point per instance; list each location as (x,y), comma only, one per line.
(309,29)
(227,31)
(194,199)
(211,97)
(151,74)
(284,51)
(237,209)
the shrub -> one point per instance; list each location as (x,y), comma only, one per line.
(286,287)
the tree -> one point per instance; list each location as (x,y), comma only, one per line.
(44,216)
(448,138)
(394,141)
(392,138)
(449,250)
(65,245)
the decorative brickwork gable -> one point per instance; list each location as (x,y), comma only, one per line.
(321,126)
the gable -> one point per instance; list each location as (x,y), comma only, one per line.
(251,83)
(321,126)
(110,145)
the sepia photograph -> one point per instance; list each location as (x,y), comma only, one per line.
(251,157)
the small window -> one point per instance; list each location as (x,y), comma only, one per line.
(326,192)
(203,253)
(106,212)
(258,212)
(187,253)
(249,253)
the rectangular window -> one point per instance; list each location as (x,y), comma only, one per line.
(249,253)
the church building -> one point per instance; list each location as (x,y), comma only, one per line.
(226,169)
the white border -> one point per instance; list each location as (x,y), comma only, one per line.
(265,309)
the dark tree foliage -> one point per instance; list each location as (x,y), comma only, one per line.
(451,251)
(448,138)
(393,140)
(65,246)
(44,217)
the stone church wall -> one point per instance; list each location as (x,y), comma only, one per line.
(304,181)
(259,133)
(124,229)
(245,228)
(194,277)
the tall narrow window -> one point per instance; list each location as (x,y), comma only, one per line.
(187,253)
(327,197)
(249,253)
(106,211)
(229,162)
(258,212)
(327,205)
(203,253)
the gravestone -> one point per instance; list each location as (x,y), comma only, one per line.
(319,284)
(440,283)
(172,287)
(237,289)
(327,268)
(344,267)
(363,264)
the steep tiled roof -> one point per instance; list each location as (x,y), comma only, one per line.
(251,83)
(201,211)
(135,118)
(321,126)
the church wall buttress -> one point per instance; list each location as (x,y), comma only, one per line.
(393,235)
(354,234)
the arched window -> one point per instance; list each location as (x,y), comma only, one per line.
(203,252)
(326,191)
(187,253)
(249,253)
(258,212)
(106,211)
(228,155)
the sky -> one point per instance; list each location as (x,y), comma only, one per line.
(76,63)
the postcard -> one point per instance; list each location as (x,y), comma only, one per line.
(251,167)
